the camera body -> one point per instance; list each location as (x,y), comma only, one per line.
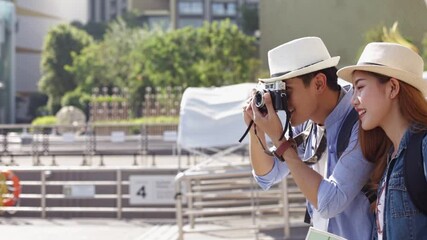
(278,95)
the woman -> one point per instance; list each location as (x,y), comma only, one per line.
(389,95)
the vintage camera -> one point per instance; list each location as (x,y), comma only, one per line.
(278,95)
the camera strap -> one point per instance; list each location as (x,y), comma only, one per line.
(303,138)
(266,151)
(247,130)
(287,127)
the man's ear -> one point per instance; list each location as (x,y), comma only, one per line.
(394,87)
(320,82)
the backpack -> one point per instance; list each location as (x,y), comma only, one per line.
(415,172)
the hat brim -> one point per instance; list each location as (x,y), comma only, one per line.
(331,62)
(346,73)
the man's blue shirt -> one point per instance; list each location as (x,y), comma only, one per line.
(339,197)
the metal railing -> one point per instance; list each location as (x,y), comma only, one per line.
(44,192)
(207,194)
(85,140)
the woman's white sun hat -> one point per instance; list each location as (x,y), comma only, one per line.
(389,59)
(298,57)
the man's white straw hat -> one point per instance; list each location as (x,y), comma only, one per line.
(389,59)
(298,57)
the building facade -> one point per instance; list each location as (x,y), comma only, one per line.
(341,24)
(7,62)
(34,20)
(106,10)
(176,14)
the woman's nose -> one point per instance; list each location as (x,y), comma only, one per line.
(354,100)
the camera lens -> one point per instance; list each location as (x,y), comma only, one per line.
(259,100)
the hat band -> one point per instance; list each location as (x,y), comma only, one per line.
(280,74)
(283,73)
(370,63)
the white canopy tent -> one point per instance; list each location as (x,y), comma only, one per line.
(211,119)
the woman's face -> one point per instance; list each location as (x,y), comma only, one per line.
(370,100)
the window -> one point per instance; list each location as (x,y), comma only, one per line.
(190,7)
(158,21)
(224,9)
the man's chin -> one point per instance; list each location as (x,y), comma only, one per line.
(295,122)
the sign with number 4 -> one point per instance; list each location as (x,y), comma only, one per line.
(146,189)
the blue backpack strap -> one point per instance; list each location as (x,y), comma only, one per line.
(345,132)
(342,143)
(415,179)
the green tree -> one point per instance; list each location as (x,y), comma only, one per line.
(228,55)
(60,42)
(78,99)
(134,58)
(113,61)
(170,57)
(213,55)
(95,29)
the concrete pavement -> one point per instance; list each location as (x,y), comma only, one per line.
(112,229)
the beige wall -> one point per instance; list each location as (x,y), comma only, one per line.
(340,23)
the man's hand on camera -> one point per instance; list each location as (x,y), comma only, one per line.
(247,111)
(269,123)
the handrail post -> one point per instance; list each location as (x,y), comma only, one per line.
(119,193)
(178,205)
(285,199)
(43,193)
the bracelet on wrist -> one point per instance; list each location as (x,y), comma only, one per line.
(278,152)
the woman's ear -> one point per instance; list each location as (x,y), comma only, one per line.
(394,87)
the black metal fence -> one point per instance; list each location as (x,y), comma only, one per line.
(86,140)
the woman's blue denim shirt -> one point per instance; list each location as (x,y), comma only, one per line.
(339,196)
(402,220)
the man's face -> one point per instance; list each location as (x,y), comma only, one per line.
(302,100)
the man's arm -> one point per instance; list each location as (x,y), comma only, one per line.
(305,177)
(261,162)
(351,172)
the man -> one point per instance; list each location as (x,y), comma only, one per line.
(336,203)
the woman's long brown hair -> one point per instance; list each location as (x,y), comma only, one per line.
(376,145)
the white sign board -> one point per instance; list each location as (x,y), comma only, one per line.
(156,189)
(170,136)
(79,191)
(117,136)
(68,137)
